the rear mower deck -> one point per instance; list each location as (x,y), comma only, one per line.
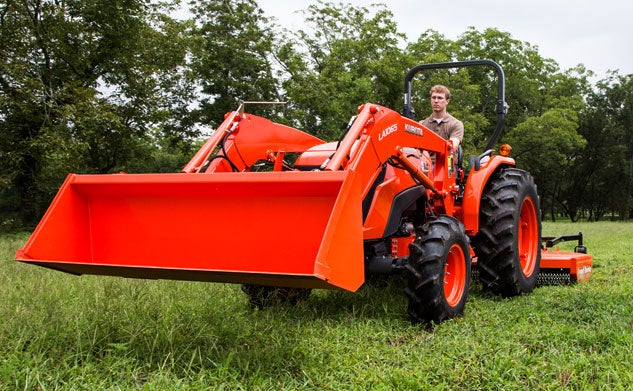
(564,267)
(560,267)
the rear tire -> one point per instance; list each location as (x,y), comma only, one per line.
(438,271)
(508,243)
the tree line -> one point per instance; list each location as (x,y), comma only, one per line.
(102,86)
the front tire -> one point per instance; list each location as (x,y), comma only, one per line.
(438,271)
(508,242)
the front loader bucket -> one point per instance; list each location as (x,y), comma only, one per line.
(295,229)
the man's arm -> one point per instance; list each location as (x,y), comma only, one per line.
(457,134)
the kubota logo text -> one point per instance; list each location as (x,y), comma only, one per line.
(387,131)
(413,130)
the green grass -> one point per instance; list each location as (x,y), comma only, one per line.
(59,331)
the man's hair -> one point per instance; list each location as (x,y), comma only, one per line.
(442,90)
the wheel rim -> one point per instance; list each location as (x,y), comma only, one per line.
(454,275)
(528,237)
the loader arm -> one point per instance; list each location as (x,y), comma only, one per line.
(378,136)
(242,140)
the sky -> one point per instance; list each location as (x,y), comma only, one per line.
(597,34)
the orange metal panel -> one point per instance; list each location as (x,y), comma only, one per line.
(252,138)
(281,225)
(580,265)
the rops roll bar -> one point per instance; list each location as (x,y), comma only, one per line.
(501,107)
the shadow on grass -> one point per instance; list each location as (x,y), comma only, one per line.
(378,298)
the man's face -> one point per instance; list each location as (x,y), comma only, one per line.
(439,101)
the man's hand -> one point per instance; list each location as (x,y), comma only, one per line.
(454,144)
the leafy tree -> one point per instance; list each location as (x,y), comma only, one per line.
(547,146)
(607,165)
(345,57)
(82,83)
(526,73)
(231,57)
(103,86)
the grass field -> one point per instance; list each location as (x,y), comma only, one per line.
(59,331)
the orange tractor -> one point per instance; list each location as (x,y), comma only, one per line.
(282,212)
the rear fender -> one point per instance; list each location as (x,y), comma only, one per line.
(473,191)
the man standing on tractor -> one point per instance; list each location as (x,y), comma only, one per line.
(440,121)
